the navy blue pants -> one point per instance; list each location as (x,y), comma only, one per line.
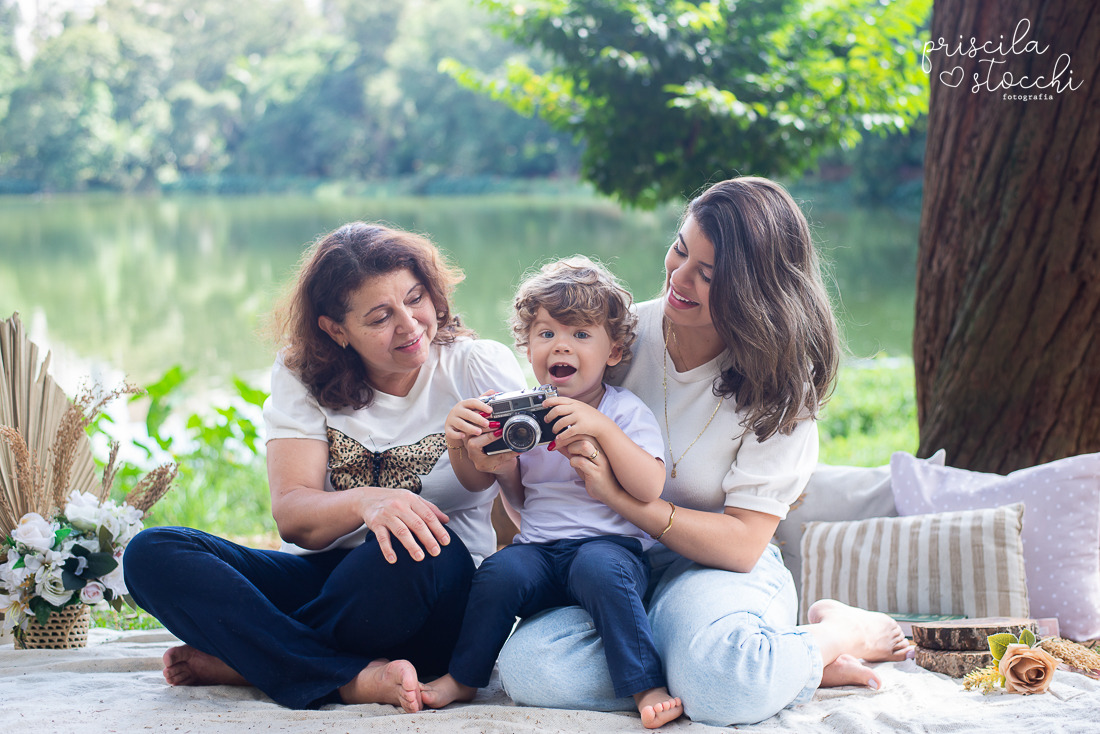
(299,627)
(606,575)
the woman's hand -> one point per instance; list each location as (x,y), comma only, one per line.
(496,464)
(571,419)
(312,518)
(400,514)
(591,463)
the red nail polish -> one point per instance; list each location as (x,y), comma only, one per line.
(550,446)
(494,424)
(483,415)
(498,433)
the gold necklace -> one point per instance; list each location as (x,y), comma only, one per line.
(664,386)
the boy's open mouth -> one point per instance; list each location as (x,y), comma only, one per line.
(561,371)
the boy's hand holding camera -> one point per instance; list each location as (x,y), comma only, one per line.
(466,430)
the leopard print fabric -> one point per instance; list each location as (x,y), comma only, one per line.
(354,465)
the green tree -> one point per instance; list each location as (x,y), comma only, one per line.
(88,111)
(447,129)
(303,112)
(243,94)
(60,124)
(668,94)
(9,55)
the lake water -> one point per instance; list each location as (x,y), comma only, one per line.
(117,285)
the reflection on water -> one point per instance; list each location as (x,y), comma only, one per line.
(135,285)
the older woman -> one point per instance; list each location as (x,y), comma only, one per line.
(734,359)
(380,539)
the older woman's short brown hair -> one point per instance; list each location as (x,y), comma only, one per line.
(579,292)
(330,271)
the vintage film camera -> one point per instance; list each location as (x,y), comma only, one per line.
(521,415)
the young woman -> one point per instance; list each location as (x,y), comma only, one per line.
(381,540)
(734,359)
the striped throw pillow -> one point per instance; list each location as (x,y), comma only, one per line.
(969,563)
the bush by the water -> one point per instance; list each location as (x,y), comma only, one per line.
(872,414)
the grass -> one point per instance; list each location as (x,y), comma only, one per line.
(872,414)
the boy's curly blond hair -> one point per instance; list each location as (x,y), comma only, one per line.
(578,292)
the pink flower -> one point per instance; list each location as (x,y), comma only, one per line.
(92,593)
(1027,669)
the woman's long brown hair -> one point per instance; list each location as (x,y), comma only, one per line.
(768,303)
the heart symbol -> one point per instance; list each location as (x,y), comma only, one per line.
(948,78)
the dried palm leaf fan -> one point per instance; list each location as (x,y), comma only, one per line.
(37,470)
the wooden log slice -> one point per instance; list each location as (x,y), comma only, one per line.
(966,634)
(955,663)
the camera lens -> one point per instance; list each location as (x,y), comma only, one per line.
(521,433)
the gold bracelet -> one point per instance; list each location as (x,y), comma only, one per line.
(668,527)
(447,443)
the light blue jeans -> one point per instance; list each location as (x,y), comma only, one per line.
(728,641)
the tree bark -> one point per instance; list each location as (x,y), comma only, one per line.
(1006,340)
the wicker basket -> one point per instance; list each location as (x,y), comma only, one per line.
(63,630)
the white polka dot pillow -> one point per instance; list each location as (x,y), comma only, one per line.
(1061,534)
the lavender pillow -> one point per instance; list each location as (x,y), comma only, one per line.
(1061,533)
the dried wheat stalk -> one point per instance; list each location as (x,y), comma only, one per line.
(1076,656)
(71,433)
(152,487)
(28,494)
(109,471)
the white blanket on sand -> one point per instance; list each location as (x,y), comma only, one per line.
(115,685)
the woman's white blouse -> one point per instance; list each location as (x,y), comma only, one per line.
(398,441)
(727,466)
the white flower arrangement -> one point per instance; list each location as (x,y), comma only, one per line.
(61,535)
(74,557)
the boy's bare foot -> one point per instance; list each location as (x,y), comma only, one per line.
(658,707)
(445,690)
(186,666)
(384,681)
(840,629)
(849,671)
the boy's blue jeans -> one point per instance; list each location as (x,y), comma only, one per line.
(606,575)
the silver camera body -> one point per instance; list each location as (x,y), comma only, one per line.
(521,415)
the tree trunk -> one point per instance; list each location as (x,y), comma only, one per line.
(1006,342)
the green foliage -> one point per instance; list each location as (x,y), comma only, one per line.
(871,415)
(134,619)
(222,482)
(144,95)
(668,94)
(999,643)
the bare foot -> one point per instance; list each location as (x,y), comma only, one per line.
(445,690)
(849,671)
(658,707)
(186,666)
(841,629)
(384,681)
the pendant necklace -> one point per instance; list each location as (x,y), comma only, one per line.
(664,385)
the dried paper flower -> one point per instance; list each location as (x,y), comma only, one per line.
(1026,669)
